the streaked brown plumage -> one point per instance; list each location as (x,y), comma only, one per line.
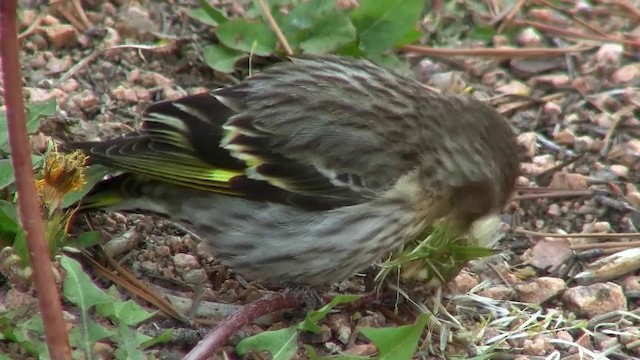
(314,168)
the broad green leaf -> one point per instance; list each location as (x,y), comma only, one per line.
(85,339)
(124,312)
(282,344)
(221,58)
(7,177)
(214,15)
(34,113)
(329,34)
(85,240)
(384,24)
(164,337)
(78,287)
(316,27)
(129,343)
(201,15)
(396,343)
(241,35)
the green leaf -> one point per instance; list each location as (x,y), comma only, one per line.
(85,240)
(316,27)
(78,287)
(34,113)
(313,317)
(282,344)
(129,343)
(214,15)
(383,24)
(9,225)
(6,173)
(221,58)
(329,34)
(241,35)
(123,312)
(7,177)
(201,15)
(164,337)
(90,332)
(396,343)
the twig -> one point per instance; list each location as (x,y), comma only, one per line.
(574,236)
(492,52)
(607,245)
(28,203)
(575,34)
(274,26)
(219,336)
(551,195)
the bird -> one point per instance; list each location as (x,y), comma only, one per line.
(312,169)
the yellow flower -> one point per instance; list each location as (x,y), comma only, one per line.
(62,174)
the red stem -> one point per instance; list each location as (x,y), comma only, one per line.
(219,336)
(29,206)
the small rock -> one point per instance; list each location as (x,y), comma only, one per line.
(566,337)
(529,37)
(70,85)
(462,283)
(341,327)
(620,170)
(57,65)
(631,284)
(565,180)
(540,290)
(194,276)
(529,140)
(565,137)
(626,74)
(124,94)
(498,292)
(362,350)
(135,20)
(554,210)
(162,251)
(609,55)
(85,100)
(537,346)
(61,35)
(185,261)
(591,300)
(556,81)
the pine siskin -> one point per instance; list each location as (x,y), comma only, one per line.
(313,169)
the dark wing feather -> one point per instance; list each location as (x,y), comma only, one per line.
(179,142)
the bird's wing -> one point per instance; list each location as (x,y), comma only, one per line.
(313,133)
(354,122)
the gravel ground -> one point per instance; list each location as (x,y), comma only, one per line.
(562,106)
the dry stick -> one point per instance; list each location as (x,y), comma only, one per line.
(607,245)
(29,205)
(492,52)
(510,15)
(574,236)
(219,336)
(573,18)
(274,26)
(552,195)
(574,34)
